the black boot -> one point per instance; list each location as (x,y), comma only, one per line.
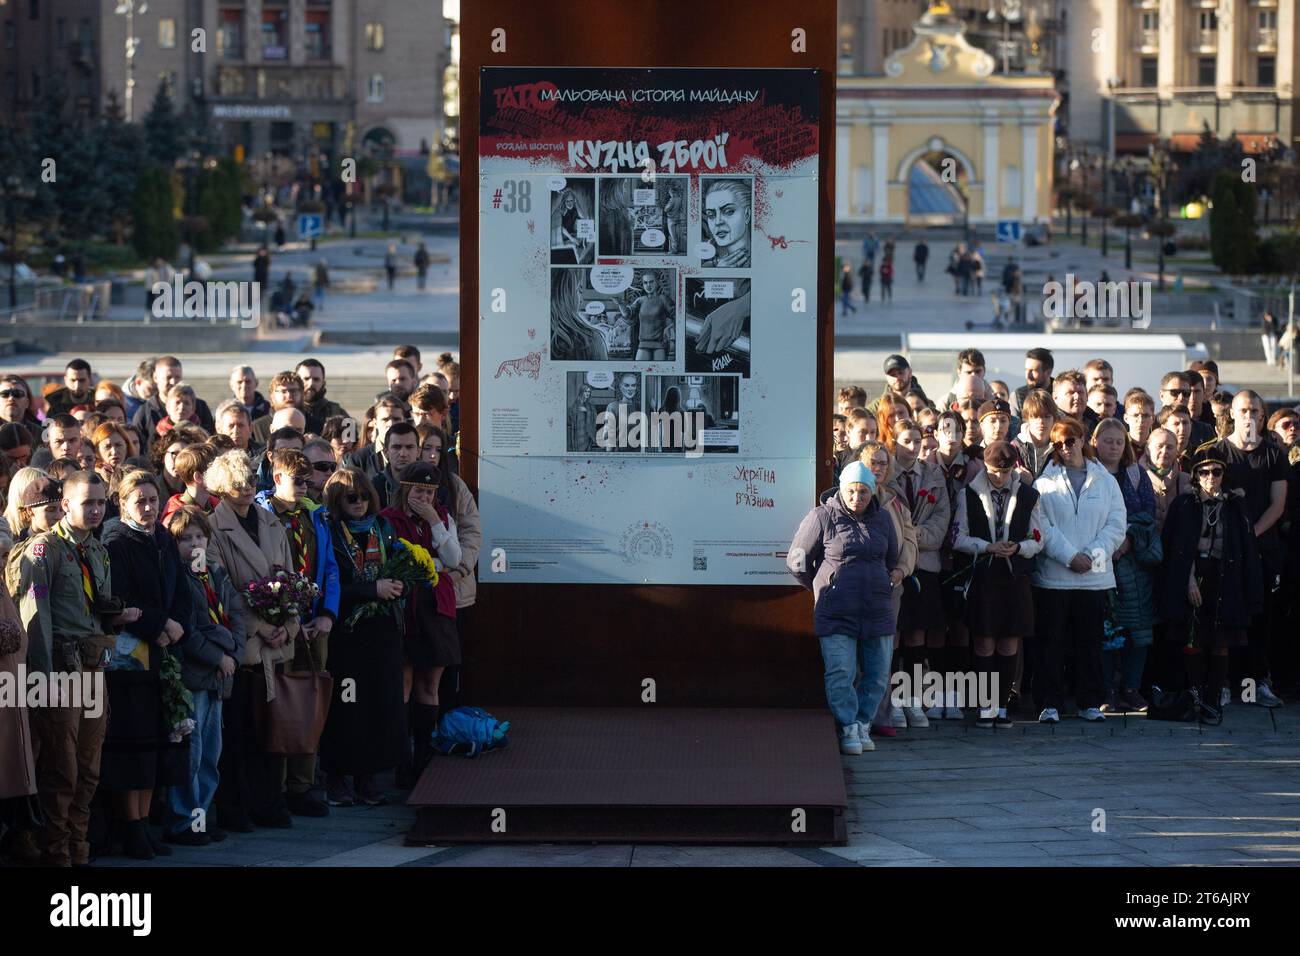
(137,842)
(159,848)
(404,778)
(423,724)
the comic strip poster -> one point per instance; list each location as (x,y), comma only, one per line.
(647,341)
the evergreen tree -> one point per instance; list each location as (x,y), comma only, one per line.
(69,195)
(1232,224)
(120,149)
(155,232)
(164,130)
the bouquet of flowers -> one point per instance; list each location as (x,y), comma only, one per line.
(282,595)
(409,563)
(178,702)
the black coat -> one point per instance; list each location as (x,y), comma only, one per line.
(147,574)
(1241,591)
(148,415)
(366,733)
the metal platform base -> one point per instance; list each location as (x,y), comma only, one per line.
(641,775)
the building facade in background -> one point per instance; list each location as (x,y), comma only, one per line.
(282,82)
(942,137)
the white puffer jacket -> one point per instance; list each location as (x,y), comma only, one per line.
(1094,524)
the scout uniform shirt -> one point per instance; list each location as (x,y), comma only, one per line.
(57,581)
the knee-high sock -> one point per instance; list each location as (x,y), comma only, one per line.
(1217,675)
(1006,674)
(1195,664)
(984,668)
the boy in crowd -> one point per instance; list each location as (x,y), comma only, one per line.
(213,651)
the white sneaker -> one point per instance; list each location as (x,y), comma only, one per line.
(1091,714)
(986,716)
(850,742)
(915,717)
(934,713)
(896,718)
(953,713)
(1049,716)
(1225,697)
(1265,697)
(864,737)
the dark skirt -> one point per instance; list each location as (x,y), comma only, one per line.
(922,610)
(366,734)
(435,642)
(133,740)
(999,604)
(1203,633)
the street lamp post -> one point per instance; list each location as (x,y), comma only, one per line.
(130,9)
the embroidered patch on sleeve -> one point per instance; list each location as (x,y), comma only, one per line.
(38,549)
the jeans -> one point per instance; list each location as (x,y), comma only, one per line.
(205,750)
(857,675)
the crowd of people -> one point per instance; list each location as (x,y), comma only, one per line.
(137,518)
(1064,541)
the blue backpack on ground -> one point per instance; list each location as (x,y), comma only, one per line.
(470,731)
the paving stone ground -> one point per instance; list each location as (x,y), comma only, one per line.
(950,795)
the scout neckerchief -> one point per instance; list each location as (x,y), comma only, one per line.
(216,610)
(297,538)
(367,558)
(87,578)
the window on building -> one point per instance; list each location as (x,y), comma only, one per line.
(375,88)
(1266,71)
(167,33)
(230,35)
(318,34)
(1150,20)
(1268,19)
(1150,71)
(374,36)
(282,142)
(275,34)
(167,81)
(1208,20)
(9,34)
(1205,70)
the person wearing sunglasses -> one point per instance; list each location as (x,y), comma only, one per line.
(323,465)
(1176,391)
(1085,524)
(1211,581)
(1258,466)
(366,734)
(1132,606)
(16,403)
(312,548)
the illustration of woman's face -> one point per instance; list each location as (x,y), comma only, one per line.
(569,201)
(627,387)
(585,393)
(726,217)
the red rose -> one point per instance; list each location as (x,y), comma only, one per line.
(1037,536)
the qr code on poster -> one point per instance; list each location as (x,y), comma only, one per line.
(701,563)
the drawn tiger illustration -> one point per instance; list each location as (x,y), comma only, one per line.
(530,365)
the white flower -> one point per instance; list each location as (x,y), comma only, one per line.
(275,585)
